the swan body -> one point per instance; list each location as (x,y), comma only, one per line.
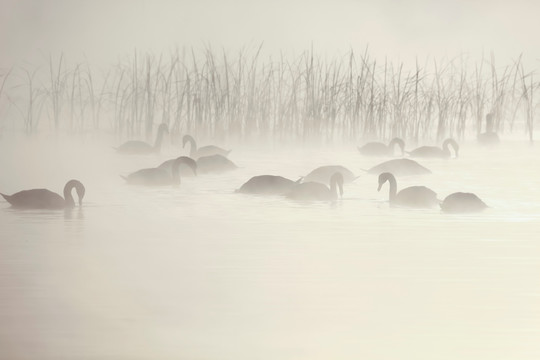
(489,137)
(46,199)
(314,191)
(136,147)
(323,174)
(205,165)
(184,170)
(161,176)
(460,202)
(400,167)
(380,149)
(436,152)
(215,164)
(267,185)
(414,196)
(208,150)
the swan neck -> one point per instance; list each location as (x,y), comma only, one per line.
(192,144)
(333,187)
(393,188)
(336,183)
(446,147)
(68,197)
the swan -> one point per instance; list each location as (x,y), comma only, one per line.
(267,185)
(317,191)
(46,199)
(489,137)
(380,149)
(461,202)
(414,196)
(137,147)
(184,170)
(215,164)
(436,152)
(160,176)
(323,174)
(208,150)
(400,167)
(206,164)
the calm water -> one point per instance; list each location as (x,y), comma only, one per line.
(198,272)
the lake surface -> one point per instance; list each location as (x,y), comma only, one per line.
(199,272)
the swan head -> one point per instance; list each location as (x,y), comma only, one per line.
(384,177)
(81,190)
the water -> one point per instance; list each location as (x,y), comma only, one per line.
(199,272)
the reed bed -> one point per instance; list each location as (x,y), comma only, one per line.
(213,94)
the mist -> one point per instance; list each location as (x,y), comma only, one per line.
(327,219)
(105,30)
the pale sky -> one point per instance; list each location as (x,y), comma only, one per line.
(107,30)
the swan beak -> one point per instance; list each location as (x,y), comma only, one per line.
(379,188)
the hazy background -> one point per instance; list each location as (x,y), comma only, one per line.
(199,272)
(104,30)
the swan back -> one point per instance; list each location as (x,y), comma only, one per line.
(461,202)
(215,164)
(413,196)
(314,191)
(137,147)
(151,177)
(323,174)
(208,150)
(267,185)
(373,149)
(400,167)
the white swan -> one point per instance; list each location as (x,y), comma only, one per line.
(436,152)
(208,150)
(400,167)
(267,185)
(205,165)
(413,196)
(314,191)
(323,174)
(137,147)
(160,176)
(461,202)
(380,149)
(46,199)
(215,164)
